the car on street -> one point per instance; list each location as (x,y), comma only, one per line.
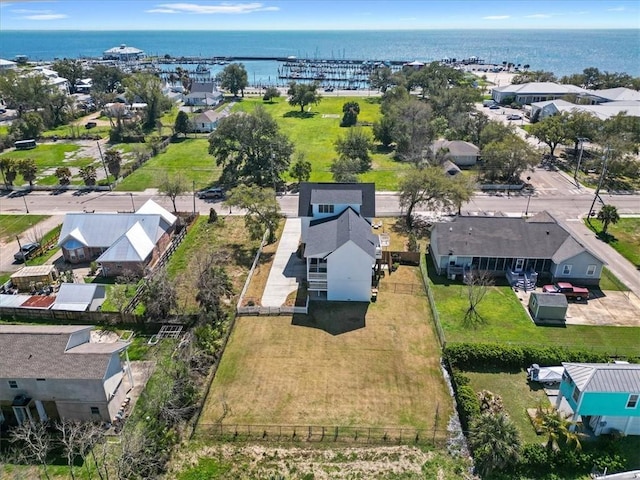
(514,116)
(26,252)
(495,106)
(213,192)
(568,290)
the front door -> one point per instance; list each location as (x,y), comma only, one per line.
(519,265)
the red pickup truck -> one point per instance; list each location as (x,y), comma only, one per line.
(567,289)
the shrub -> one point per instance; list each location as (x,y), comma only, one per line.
(468,405)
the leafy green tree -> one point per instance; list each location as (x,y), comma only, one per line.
(461,191)
(113,159)
(608,214)
(89,175)
(383,130)
(182,124)
(494,131)
(504,161)
(271,93)
(105,79)
(172,186)
(148,88)
(300,169)
(533,76)
(356,145)
(381,78)
(71,69)
(29,125)
(495,442)
(557,428)
(263,210)
(551,131)
(581,124)
(250,148)
(28,169)
(303,94)
(234,78)
(64,175)
(412,130)
(24,93)
(8,170)
(58,110)
(350,111)
(345,170)
(427,187)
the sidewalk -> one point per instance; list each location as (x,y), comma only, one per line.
(287,269)
(31,234)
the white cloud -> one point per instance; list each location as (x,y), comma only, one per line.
(496,17)
(538,15)
(616,9)
(223,8)
(46,16)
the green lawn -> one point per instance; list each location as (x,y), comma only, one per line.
(507,322)
(315,133)
(623,236)
(12,225)
(188,157)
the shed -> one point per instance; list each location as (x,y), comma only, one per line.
(548,306)
(79,297)
(28,277)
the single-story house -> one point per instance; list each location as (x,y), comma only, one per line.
(605,396)
(548,306)
(79,297)
(618,94)
(6,65)
(522,249)
(206,121)
(203,94)
(34,276)
(56,372)
(603,111)
(117,241)
(463,154)
(123,53)
(527,93)
(338,243)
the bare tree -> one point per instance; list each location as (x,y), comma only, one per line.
(136,455)
(160,297)
(478,283)
(72,439)
(34,443)
(173,187)
(214,285)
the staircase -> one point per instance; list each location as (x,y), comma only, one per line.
(524,281)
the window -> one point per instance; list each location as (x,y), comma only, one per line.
(13,384)
(95,411)
(566,269)
(325,208)
(576,394)
(591,270)
(633,401)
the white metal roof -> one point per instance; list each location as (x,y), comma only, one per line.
(605,377)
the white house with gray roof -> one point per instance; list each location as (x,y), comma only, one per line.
(52,372)
(123,53)
(522,249)
(604,396)
(527,93)
(117,241)
(337,239)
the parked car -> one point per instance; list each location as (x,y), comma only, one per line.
(567,289)
(89,125)
(214,192)
(495,106)
(26,252)
(514,116)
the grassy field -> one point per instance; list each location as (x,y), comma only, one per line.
(624,237)
(188,157)
(347,364)
(228,237)
(507,322)
(316,131)
(12,225)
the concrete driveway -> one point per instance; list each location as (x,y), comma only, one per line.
(620,309)
(287,269)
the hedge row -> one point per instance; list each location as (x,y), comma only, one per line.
(471,356)
(468,405)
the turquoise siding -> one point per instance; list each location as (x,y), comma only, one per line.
(601,403)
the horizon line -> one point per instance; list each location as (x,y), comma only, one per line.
(371,29)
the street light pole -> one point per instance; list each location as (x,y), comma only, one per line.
(602,174)
(194,198)
(575,174)
(133,206)
(25,203)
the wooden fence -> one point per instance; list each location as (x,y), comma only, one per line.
(432,303)
(68,316)
(402,288)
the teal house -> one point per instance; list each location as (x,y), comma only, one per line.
(604,396)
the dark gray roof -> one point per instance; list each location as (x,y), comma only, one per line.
(368,196)
(204,87)
(327,235)
(538,237)
(550,299)
(336,197)
(39,352)
(605,377)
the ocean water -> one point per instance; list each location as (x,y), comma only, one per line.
(560,51)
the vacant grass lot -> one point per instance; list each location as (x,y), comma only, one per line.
(187,157)
(314,132)
(47,156)
(346,364)
(12,225)
(506,321)
(624,237)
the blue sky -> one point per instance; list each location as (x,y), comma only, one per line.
(316,14)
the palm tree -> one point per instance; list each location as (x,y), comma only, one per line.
(557,427)
(495,442)
(608,214)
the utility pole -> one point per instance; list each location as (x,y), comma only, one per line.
(575,174)
(605,158)
(194,198)
(104,165)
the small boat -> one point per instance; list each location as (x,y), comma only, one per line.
(201,68)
